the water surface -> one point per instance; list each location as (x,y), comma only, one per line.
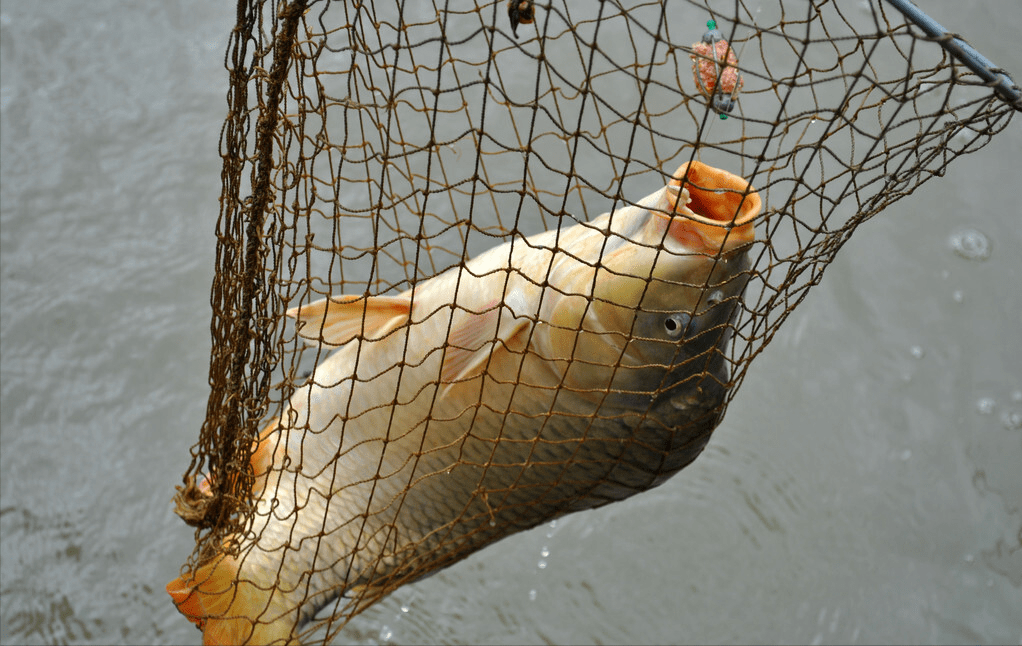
(864,486)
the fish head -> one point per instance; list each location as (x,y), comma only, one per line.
(666,291)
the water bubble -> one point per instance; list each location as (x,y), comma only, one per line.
(405,608)
(1012,420)
(493,523)
(985,405)
(969,558)
(542,564)
(386,633)
(958,296)
(1016,396)
(970,244)
(532,595)
(545,552)
(917,352)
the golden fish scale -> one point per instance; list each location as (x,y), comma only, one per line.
(457,471)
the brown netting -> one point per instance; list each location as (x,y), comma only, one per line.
(371,146)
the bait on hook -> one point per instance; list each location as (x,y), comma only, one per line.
(715,68)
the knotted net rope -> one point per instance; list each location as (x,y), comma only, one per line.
(370,146)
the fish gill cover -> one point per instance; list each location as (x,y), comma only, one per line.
(481,265)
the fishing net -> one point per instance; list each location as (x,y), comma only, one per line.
(371,146)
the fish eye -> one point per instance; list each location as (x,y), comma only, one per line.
(675,324)
(715,298)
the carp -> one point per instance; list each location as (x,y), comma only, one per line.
(550,374)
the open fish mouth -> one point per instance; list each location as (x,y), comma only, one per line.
(710,210)
(713,196)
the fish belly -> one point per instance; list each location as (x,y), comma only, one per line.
(454,480)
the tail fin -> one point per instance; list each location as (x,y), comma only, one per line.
(227,610)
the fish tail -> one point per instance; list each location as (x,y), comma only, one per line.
(227,609)
(212,597)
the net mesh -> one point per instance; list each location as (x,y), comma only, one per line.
(372,146)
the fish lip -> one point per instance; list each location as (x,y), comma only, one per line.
(707,209)
(697,177)
(682,210)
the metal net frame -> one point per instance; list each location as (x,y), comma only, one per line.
(370,146)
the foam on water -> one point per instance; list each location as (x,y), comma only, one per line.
(970,243)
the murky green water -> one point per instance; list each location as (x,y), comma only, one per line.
(864,487)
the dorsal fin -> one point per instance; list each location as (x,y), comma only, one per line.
(336,320)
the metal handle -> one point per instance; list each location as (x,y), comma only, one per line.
(961,50)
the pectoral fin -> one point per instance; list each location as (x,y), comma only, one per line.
(336,320)
(480,335)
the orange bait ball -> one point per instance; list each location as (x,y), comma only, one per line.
(708,62)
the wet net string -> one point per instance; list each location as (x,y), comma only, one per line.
(482,265)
